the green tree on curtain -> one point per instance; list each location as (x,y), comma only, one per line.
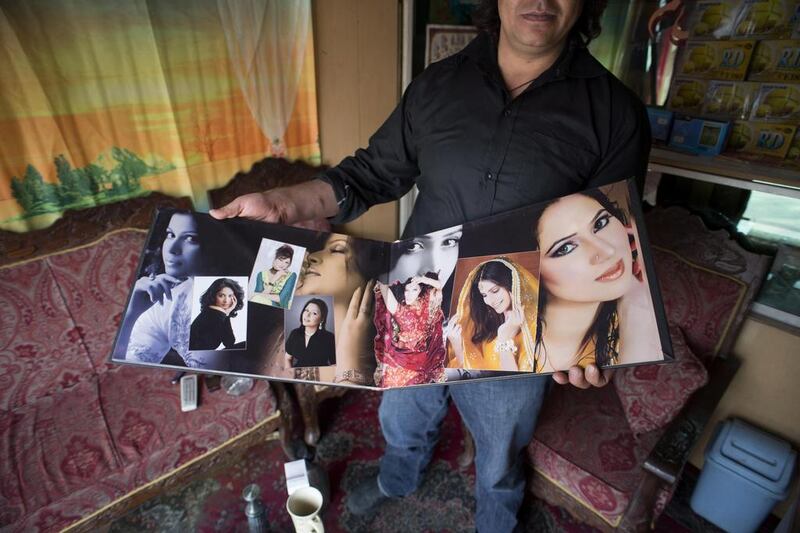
(21,193)
(73,185)
(34,195)
(97,178)
(129,170)
(82,187)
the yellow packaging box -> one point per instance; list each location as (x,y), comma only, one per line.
(770,19)
(762,138)
(776,61)
(686,95)
(777,102)
(729,99)
(719,60)
(793,154)
(713,20)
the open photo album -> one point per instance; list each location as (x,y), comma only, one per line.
(534,290)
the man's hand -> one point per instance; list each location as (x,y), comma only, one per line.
(311,200)
(591,377)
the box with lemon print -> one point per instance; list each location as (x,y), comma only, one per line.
(729,99)
(766,19)
(793,154)
(776,61)
(713,20)
(687,95)
(761,138)
(720,60)
(777,102)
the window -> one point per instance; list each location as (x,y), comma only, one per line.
(769,217)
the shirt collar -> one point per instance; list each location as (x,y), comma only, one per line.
(575,60)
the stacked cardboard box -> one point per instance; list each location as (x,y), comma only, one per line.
(741,67)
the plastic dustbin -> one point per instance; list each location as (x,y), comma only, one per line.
(746,472)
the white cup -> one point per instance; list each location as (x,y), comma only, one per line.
(303,506)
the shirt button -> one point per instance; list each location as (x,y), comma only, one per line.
(507,112)
(489,176)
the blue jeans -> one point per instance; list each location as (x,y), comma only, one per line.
(501,415)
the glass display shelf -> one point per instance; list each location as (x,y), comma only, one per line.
(778,180)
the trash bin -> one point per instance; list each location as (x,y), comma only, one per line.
(746,472)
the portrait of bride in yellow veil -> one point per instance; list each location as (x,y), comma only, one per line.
(494,327)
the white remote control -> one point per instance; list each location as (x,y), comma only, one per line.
(189,392)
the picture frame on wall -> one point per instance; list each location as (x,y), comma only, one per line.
(444,40)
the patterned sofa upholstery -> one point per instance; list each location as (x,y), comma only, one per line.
(587,456)
(82,440)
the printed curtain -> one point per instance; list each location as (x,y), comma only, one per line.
(102,101)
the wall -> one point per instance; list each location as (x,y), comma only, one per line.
(357,56)
(764,391)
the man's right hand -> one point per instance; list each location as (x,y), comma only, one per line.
(269,206)
(311,200)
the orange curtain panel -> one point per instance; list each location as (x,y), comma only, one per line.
(102,101)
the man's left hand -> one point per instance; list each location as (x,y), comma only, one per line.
(583,379)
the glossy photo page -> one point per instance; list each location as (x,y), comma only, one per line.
(535,290)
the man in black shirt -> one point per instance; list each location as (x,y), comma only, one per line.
(522,115)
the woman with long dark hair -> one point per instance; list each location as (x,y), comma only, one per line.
(218,305)
(495,324)
(409,344)
(157,320)
(593,297)
(310,344)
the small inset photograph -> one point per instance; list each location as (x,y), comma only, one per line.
(275,273)
(219,313)
(494,313)
(409,345)
(308,329)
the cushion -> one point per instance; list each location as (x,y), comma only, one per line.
(41,351)
(94,282)
(584,445)
(51,447)
(703,303)
(652,395)
(707,279)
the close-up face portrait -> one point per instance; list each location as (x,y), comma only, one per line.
(585,251)
(434,252)
(495,296)
(312,315)
(281,263)
(331,270)
(224,298)
(412,292)
(181,248)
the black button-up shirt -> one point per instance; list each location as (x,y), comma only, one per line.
(473,151)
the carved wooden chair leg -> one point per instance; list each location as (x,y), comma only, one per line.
(468,455)
(287,421)
(307,398)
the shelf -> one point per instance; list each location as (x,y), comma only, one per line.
(731,172)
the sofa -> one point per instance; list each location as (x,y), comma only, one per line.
(82,440)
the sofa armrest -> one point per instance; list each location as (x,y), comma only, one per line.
(670,454)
